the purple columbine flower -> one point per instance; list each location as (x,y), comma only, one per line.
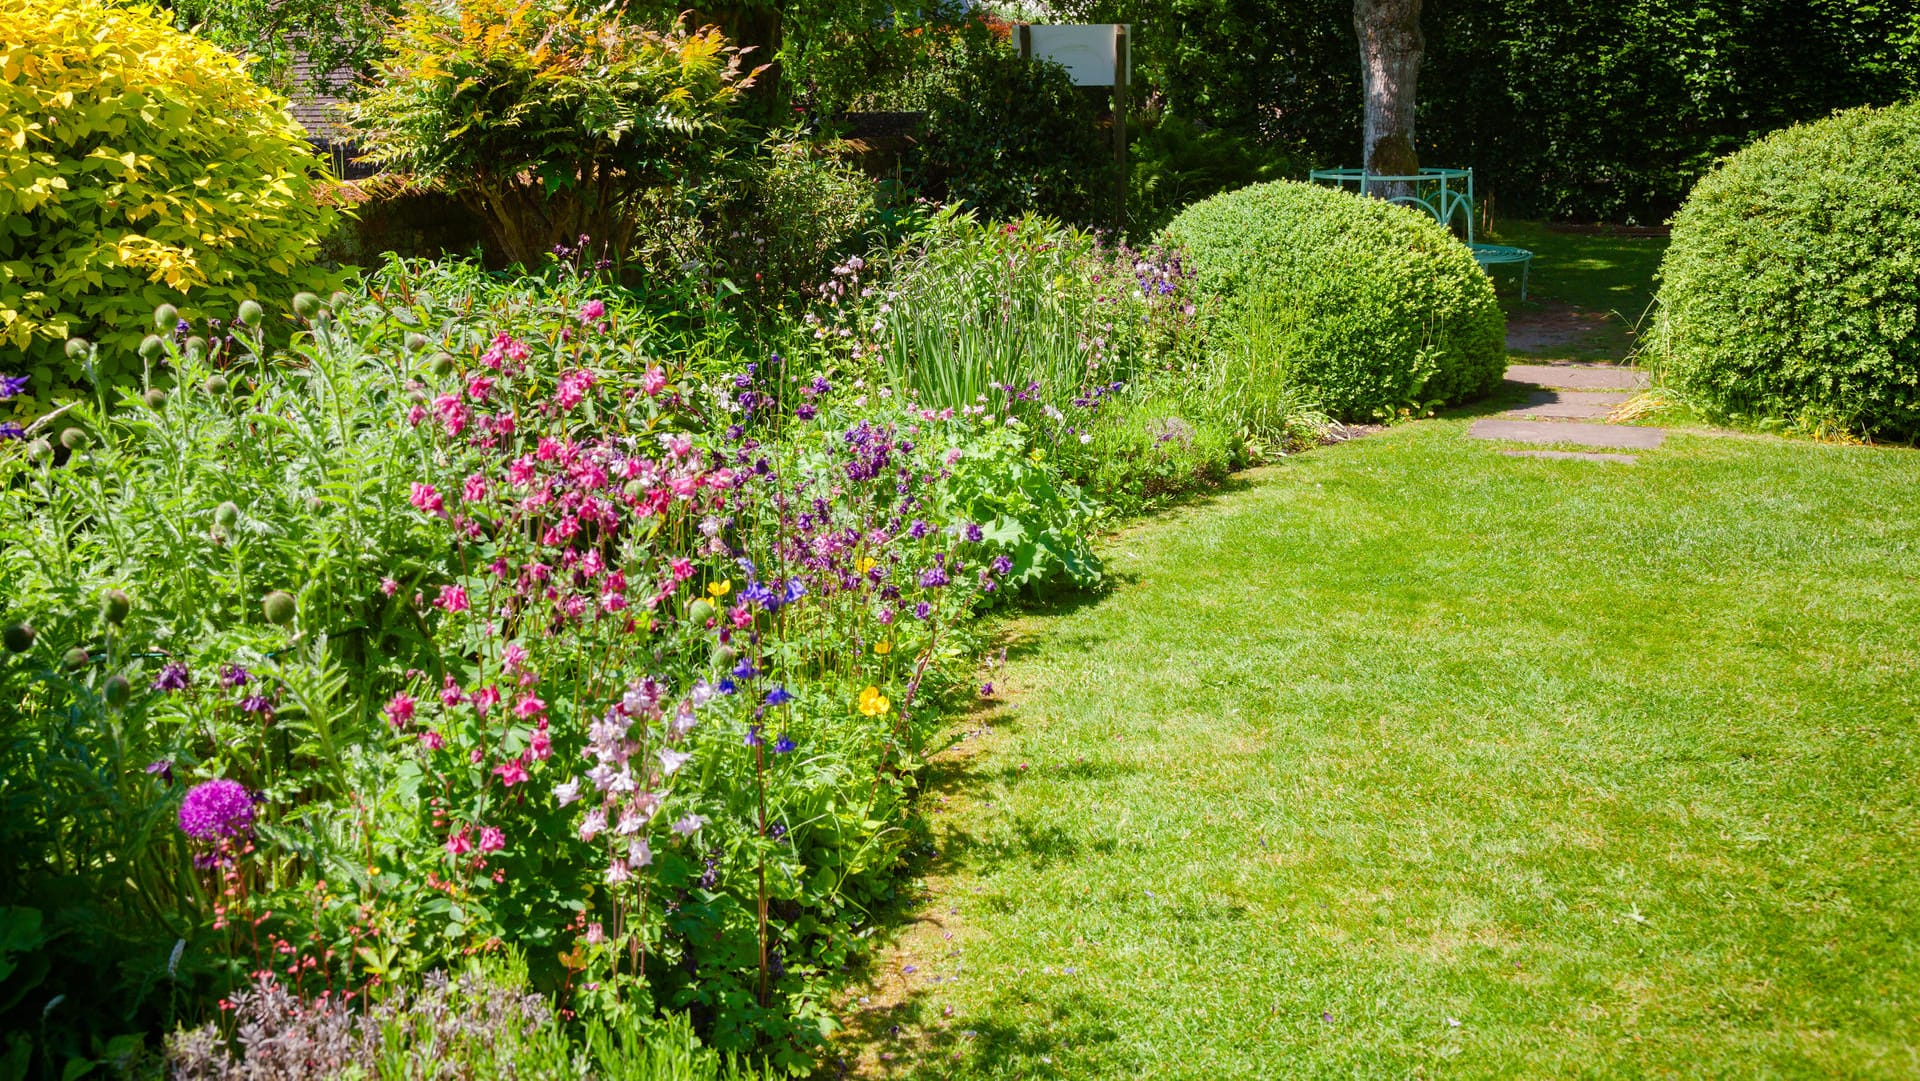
(161,768)
(10,430)
(1001,565)
(794,591)
(12,386)
(234,676)
(934,578)
(753,736)
(918,530)
(256,703)
(974,533)
(219,808)
(745,669)
(725,686)
(922,610)
(779,696)
(806,411)
(172,677)
(783,745)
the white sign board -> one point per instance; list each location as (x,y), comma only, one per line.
(1086,52)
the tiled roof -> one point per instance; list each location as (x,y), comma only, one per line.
(317,111)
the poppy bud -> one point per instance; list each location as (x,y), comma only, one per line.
(39,450)
(250,313)
(75,658)
(339,300)
(18,637)
(226,514)
(415,341)
(306,305)
(73,438)
(152,346)
(316,504)
(700,611)
(156,399)
(116,690)
(724,656)
(77,348)
(441,364)
(215,384)
(115,605)
(165,317)
(279,608)
(196,347)
(635,489)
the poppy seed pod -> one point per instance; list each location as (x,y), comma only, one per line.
(77,348)
(226,514)
(250,313)
(73,438)
(156,398)
(116,606)
(152,347)
(17,637)
(165,317)
(75,658)
(306,305)
(278,607)
(116,690)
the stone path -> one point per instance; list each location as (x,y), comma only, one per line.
(1568,404)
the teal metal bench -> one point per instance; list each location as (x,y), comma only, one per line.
(1444,194)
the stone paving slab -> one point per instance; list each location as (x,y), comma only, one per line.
(1570,404)
(1573,455)
(1578,376)
(1610,436)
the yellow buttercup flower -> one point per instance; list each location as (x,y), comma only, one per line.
(873,703)
(719,589)
(883,648)
(867,564)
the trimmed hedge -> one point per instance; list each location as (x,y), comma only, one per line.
(1371,307)
(1791,290)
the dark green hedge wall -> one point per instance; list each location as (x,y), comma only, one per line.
(1573,109)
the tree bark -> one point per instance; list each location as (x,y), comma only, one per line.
(1391,46)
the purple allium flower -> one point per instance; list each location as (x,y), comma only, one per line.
(162,768)
(783,745)
(922,610)
(172,677)
(219,808)
(11,386)
(974,533)
(779,696)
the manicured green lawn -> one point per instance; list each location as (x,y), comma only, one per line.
(1407,759)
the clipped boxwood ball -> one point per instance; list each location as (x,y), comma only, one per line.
(278,607)
(17,637)
(1368,306)
(1791,289)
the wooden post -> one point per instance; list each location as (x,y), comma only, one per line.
(1026,41)
(1120,124)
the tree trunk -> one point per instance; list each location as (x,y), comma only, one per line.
(1390,49)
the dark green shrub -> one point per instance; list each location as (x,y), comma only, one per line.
(1173,163)
(1370,307)
(1791,291)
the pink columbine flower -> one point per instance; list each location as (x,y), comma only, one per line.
(426,499)
(568,792)
(594,824)
(514,656)
(454,413)
(618,872)
(452,599)
(653,382)
(529,706)
(400,709)
(591,311)
(433,740)
(474,489)
(416,414)
(512,772)
(450,692)
(458,844)
(571,389)
(479,387)
(389,586)
(485,699)
(492,839)
(541,746)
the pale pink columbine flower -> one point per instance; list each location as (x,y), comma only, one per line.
(568,792)
(596,934)
(457,843)
(689,824)
(512,772)
(426,499)
(630,822)
(475,488)
(594,824)
(452,599)
(671,761)
(514,656)
(653,382)
(492,839)
(591,312)
(400,709)
(618,872)
(640,853)
(679,445)
(389,586)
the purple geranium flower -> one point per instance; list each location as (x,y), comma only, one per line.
(220,808)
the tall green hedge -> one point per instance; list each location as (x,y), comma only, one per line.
(1791,291)
(1371,307)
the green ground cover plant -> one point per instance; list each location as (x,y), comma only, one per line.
(1405,757)
(1791,292)
(141,166)
(1371,308)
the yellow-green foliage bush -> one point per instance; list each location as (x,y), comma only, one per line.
(138,166)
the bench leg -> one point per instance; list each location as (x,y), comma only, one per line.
(1523,279)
